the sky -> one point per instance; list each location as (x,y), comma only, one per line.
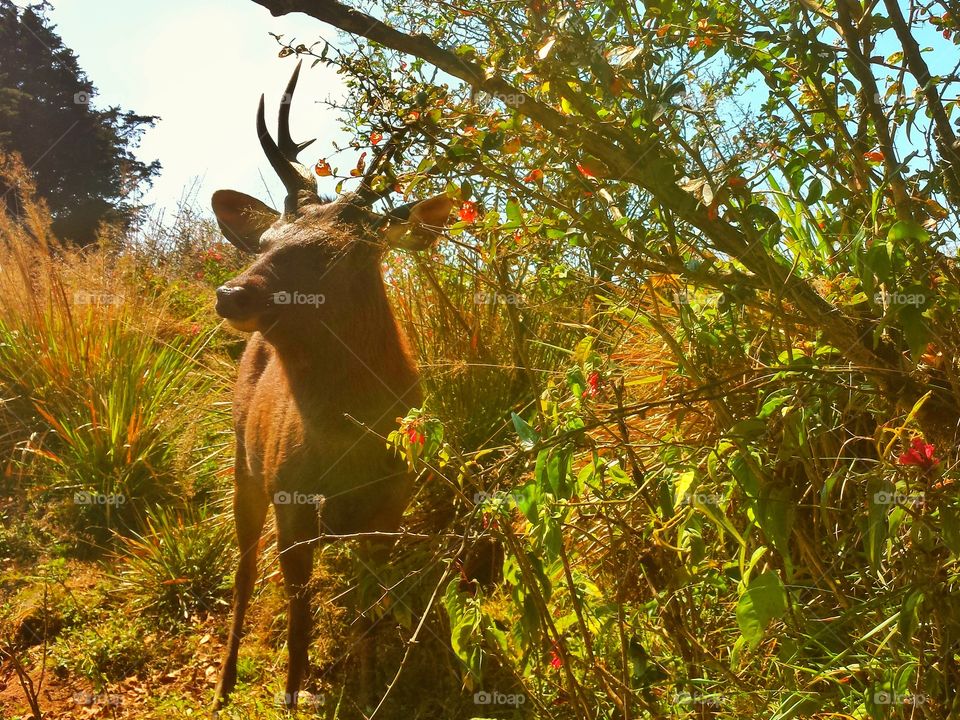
(201,65)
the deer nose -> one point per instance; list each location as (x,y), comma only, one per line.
(233,302)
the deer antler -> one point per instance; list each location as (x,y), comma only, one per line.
(283,156)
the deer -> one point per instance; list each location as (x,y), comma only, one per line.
(324,375)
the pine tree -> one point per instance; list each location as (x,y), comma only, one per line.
(82,156)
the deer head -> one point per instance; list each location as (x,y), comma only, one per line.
(319,258)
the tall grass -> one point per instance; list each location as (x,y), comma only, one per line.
(102,387)
(180,565)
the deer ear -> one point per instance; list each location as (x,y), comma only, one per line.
(242,219)
(416,226)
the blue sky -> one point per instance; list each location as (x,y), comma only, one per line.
(201,66)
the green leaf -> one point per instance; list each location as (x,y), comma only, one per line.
(878,492)
(950,528)
(514,215)
(465,620)
(748,429)
(552,470)
(528,436)
(908,614)
(558,469)
(815,191)
(916,331)
(744,475)
(776,511)
(682,487)
(907,230)
(764,600)
(877,259)
(528,500)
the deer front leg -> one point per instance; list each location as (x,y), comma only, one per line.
(296,535)
(249,512)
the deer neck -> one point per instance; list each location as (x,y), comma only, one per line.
(353,364)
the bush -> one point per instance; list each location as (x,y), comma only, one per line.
(181,565)
(103,388)
(105,650)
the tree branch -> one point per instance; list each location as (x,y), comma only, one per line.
(859,63)
(637,160)
(946,139)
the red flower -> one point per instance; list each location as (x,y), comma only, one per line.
(873,156)
(593,384)
(920,454)
(415,436)
(375,137)
(555,661)
(468,211)
(585,171)
(534,176)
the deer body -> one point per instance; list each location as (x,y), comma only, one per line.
(312,428)
(323,378)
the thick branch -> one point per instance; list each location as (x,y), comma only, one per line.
(859,64)
(946,139)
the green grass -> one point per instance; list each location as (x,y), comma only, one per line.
(180,565)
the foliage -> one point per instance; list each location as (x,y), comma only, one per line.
(104,650)
(690,353)
(101,392)
(727,489)
(179,566)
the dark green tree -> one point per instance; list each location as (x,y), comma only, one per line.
(82,156)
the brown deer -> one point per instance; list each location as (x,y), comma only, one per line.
(324,375)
